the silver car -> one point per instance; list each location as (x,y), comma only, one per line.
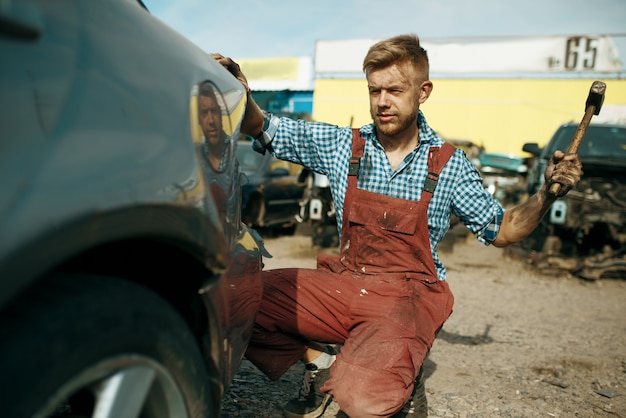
(128,283)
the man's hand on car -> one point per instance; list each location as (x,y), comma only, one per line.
(233,68)
(253,120)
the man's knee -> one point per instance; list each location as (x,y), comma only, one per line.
(378,399)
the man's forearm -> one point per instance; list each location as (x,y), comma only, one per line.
(252,123)
(518,222)
(521,220)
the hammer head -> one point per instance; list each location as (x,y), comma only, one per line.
(596,96)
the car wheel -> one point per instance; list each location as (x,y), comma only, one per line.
(99,347)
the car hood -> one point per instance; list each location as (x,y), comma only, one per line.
(603,165)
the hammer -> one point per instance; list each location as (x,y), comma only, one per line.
(592,107)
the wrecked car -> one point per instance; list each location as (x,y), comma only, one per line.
(504,176)
(585,231)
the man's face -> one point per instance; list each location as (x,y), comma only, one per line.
(210,116)
(395,96)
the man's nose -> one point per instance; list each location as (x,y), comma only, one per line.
(383,99)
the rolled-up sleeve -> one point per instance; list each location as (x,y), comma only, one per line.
(475,207)
(489,233)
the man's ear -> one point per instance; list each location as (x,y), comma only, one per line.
(424,90)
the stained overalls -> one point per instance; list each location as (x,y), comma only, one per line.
(380,298)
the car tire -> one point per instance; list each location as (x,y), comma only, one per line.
(77,343)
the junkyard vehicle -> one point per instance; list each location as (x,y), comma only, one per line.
(128,283)
(317,210)
(271,191)
(585,232)
(504,176)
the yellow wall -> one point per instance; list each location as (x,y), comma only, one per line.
(270,68)
(501,115)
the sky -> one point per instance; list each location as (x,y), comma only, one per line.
(288,28)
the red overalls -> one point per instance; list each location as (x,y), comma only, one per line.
(380,298)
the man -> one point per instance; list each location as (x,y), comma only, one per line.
(395,186)
(210,119)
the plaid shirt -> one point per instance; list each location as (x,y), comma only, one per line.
(326,149)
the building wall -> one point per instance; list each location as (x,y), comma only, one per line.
(285,102)
(500,114)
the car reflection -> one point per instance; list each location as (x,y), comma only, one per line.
(271,191)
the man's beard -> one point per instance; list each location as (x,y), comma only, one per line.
(402,123)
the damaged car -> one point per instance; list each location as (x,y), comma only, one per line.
(585,231)
(128,283)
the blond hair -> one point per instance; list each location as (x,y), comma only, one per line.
(399,49)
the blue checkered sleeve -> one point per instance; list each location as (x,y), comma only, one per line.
(322,148)
(473,205)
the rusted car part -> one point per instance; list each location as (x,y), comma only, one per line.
(589,268)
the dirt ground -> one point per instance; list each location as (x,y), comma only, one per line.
(519,344)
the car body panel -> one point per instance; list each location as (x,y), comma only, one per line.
(100,145)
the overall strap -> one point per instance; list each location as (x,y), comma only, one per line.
(358,146)
(437,159)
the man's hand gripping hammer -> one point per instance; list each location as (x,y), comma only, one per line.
(592,107)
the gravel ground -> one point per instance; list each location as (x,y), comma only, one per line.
(519,344)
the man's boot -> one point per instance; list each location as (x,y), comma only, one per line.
(310,403)
(417,406)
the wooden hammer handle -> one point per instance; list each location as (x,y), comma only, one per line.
(578,137)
